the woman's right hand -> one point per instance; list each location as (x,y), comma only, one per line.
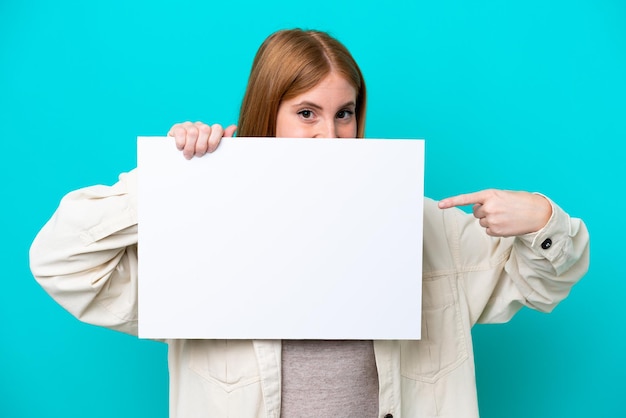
(197,138)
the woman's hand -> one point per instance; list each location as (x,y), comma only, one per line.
(505,213)
(197,138)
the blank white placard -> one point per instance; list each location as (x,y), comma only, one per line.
(272,238)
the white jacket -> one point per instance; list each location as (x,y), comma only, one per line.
(85,257)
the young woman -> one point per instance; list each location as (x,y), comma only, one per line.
(519,249)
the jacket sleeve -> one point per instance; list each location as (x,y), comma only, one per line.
(85,256)
(536,270)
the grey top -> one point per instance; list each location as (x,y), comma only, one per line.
(329,378)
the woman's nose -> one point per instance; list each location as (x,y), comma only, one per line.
(326,130)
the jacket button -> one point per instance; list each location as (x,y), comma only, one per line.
(389,416)
(546,244)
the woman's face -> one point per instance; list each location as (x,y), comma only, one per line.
(325,111)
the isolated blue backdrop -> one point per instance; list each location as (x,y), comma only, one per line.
(517,95)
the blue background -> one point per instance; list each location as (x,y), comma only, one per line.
(516,95)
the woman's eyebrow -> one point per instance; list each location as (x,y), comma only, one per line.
(318,107)
(308,104)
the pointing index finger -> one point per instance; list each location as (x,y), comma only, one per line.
(462,200)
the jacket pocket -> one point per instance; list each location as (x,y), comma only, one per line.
(443,346)
(231,364)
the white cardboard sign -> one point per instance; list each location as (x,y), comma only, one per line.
(275,238)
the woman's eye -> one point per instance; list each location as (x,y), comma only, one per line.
(344,114)
(306,114)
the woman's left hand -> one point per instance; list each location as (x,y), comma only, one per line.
(505,213)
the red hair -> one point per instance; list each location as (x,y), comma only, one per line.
(289,63)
